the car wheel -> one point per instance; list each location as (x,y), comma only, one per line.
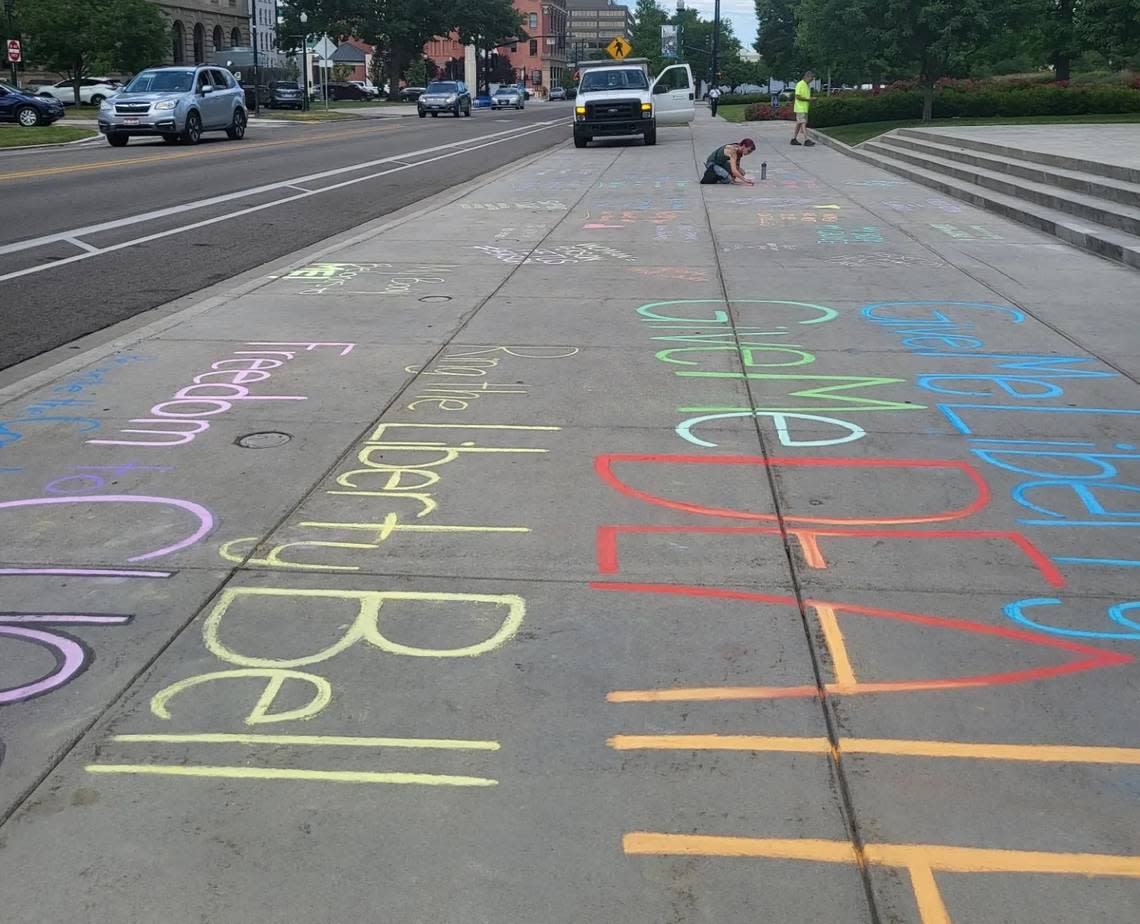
(27,116)
(97,99)
(434,114)
(580,141)
(118,140)
(170,139)
(236,131)
(457,111)
(193,131)
(651,136)
(423,115)
(467,111)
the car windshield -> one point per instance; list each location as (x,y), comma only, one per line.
(443,88)
(160,81)
(629,78)
(506,91)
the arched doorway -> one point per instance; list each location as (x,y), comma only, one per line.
(219,38)
(235,37)
(177,43)
(199,44)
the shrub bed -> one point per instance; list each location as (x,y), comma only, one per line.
(952,102)
(763,112)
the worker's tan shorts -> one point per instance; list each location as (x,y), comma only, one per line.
(801,117)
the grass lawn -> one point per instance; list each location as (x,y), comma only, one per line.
(15,136)
(80,112)
(731,113)
(860,132)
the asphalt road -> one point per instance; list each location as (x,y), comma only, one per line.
(62,288)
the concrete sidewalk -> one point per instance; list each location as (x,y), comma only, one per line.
(589,546)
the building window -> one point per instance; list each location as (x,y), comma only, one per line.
(235,37)
(534,46)
(533,22)
(219,38)
(177,42)
(199,44)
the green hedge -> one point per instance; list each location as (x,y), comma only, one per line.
(744,99)
(992,101)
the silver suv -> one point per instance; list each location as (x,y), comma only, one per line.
(176,103)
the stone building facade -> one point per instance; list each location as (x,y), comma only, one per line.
(201,27)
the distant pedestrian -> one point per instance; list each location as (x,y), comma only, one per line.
(714,98)
(802,104)
(723,164)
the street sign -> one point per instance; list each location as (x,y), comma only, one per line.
(618,48)
(14,50)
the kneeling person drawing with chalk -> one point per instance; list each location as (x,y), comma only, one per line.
(723,164)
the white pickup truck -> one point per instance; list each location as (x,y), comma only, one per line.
(618,100)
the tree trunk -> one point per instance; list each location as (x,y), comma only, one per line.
(1062,57)
(394,67)
(76,77)
(927,102)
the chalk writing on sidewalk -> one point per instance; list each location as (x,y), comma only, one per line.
(178,420)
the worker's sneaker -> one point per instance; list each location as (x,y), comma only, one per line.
(809,143)
(796,143)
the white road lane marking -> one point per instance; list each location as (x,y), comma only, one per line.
(69,237)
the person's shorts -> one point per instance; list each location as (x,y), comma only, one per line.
(801,117)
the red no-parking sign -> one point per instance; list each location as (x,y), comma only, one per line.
(14,50)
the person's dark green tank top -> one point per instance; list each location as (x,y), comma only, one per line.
(719,158)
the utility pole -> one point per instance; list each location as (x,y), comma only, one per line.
(716,45)
(9,9)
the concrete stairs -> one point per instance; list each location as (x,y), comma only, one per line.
(1095,206)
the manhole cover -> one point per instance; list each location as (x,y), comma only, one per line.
(265,440)
(436,298)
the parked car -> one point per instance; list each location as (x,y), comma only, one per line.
(92,90)
(508,97)
(572,92)
(557,93)
(445,96)
(529,92)
(482,101)
(340,89)
(176,104)
(285,94)
(411,94)
(26,108)
(368,87)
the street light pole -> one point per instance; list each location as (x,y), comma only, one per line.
(256,73)
(304,19)
(716,44)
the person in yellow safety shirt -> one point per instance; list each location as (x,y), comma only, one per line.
(803,103)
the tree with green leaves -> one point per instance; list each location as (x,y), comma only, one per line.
(738,72)
(830,33)
(488,25)
(776,38)
(417,73)
(81,37)
(646,42)
(399,29)
(1112,27)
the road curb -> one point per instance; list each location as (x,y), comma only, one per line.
(53,144)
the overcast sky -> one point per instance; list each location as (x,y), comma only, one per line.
(741,12)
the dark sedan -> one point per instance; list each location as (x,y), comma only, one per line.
(341,90)
(27,109)
(285,95)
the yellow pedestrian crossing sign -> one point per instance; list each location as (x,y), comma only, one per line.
(618,48)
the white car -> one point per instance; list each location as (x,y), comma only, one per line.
(367,86)
(92,90)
